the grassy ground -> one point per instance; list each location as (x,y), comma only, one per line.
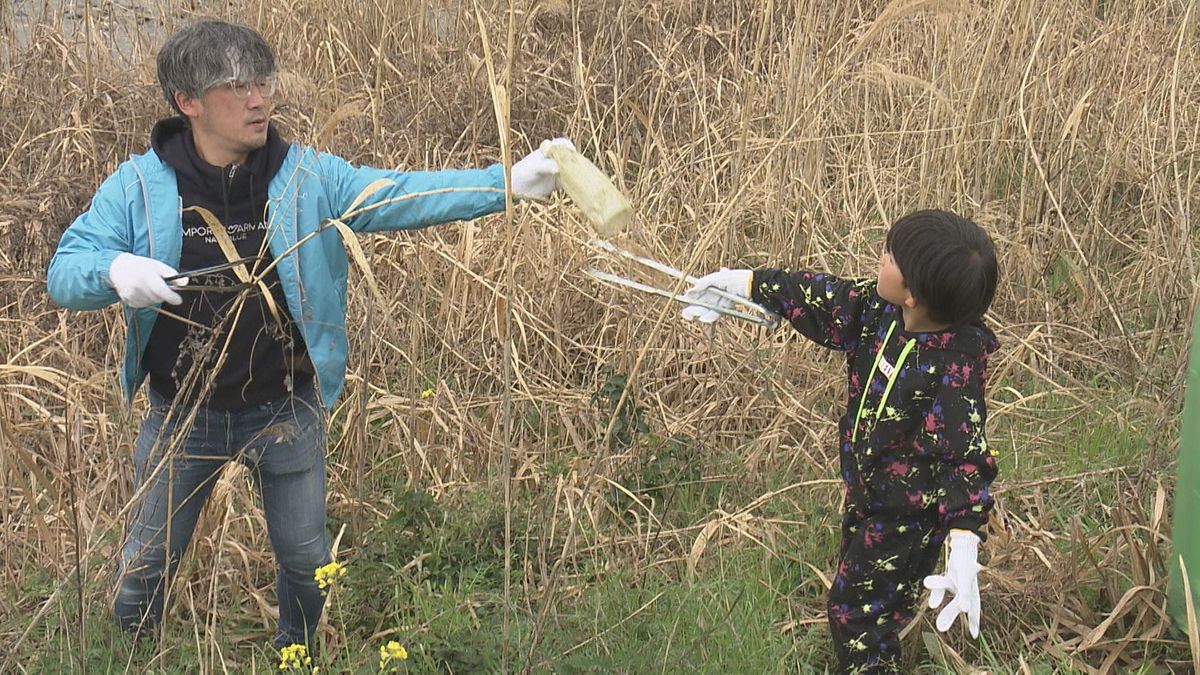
(640,594)
(530,471)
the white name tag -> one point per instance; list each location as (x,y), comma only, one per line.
(886,367)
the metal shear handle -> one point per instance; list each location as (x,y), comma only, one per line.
(767,317)
(215,268)
(192,274)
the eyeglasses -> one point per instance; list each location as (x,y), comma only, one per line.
(241,88)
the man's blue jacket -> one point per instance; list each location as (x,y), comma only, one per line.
(138,210)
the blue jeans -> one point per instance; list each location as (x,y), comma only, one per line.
(282,443)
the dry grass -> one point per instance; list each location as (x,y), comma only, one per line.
(744,133)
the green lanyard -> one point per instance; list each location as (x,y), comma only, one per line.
(871,378)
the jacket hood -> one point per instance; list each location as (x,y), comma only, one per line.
(172,140)
(972,339)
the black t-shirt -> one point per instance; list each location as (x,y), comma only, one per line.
(264,353)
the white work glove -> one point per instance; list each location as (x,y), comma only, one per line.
(961,579)
(736,282)
(139,281)
(536,175)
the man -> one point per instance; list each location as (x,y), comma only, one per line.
(238,370)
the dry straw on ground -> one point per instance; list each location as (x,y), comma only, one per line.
(745,133)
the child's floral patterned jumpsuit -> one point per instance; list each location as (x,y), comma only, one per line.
(913,454)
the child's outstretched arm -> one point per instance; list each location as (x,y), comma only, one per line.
(824,308)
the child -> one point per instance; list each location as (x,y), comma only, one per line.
(913,454)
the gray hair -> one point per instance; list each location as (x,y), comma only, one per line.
(204,54)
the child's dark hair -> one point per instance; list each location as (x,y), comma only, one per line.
(948,263)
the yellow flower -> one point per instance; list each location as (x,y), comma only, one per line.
(294,657)
(327,575)
(392,651)
(428,393)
